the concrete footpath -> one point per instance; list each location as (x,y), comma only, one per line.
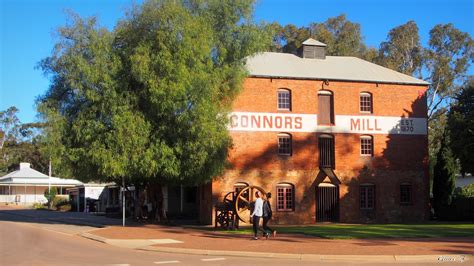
(207,242)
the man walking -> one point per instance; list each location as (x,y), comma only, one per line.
(256,214)
(267,216)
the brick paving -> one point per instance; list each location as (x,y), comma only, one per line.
(287,243)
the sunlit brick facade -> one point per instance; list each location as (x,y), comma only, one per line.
(329,148)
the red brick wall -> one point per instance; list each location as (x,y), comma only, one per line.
(397,158)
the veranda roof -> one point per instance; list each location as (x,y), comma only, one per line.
(28,176)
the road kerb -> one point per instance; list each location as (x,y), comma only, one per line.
(358,258)
(94,237)
(221,252)
(306,257)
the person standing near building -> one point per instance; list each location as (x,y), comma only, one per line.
(267,216)
(256,214)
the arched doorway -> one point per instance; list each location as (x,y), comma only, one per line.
(327,202)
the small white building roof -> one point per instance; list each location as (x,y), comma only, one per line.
(27,175)
(344,68)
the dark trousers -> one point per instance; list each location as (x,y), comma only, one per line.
(265,226)
(256,225)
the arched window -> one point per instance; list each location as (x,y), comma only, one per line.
(284,99)
(366,146)
(365,102)
(367,196)
(284,144)
(325,108)
(285,197)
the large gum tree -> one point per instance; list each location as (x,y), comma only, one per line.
(147,102)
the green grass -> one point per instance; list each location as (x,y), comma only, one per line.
(343,231)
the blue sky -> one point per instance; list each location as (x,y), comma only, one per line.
(27,30)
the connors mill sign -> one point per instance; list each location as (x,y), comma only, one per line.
(249,121)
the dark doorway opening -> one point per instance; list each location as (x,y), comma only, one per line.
(327,200)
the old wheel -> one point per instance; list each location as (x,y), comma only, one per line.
(243,202)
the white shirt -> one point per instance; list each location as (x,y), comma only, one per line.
(258,210)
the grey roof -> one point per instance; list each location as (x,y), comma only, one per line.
(27,175)
(283,65)
(311,41)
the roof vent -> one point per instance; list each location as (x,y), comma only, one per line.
(313,49)
(24,165)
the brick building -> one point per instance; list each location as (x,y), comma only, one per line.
(333,138)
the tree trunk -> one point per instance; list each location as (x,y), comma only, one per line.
(155,195)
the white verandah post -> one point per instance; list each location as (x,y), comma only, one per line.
(123,201)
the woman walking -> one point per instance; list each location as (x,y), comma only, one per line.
(267,216)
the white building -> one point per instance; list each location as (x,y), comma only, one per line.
(27,186)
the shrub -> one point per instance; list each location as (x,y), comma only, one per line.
(39,206)
(60,201)
(50,194)
(465,192)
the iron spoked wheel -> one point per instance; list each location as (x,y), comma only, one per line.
(229,199)
(243,200)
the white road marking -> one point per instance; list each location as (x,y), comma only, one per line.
(213,259)
(165,241)
(166,262)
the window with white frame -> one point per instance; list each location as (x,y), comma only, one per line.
(365,102)
(367,196)
(285,197)
(284,99)
(284,144)
(366,146)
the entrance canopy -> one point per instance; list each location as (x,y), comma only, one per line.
(327,172)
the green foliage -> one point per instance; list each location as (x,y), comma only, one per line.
(148,101)
(402,51)
(19,143)
(343,37)
(61,203)
(461,127)
(444,176)
(9,125)
(464,192)
(378,231)
(50,195)
(447,59)
(39,206)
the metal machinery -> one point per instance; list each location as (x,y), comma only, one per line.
(236,206)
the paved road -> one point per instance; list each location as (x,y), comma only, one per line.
(26,240)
